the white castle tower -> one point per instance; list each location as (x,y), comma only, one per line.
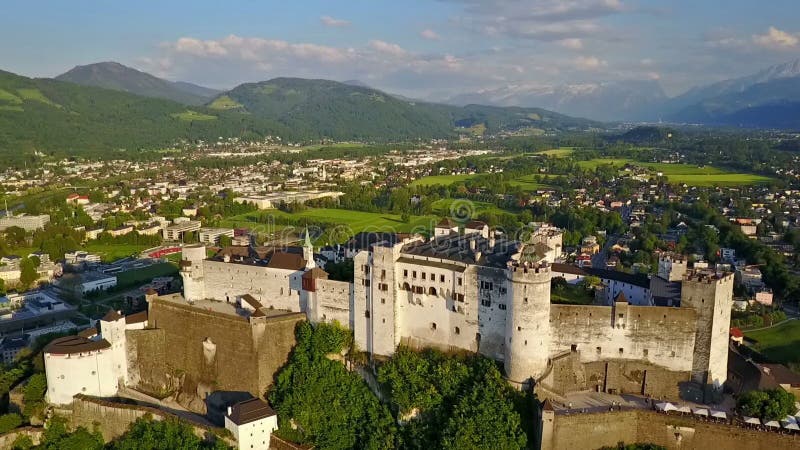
(527,346)
(192,257)
(308,252)
(112,328)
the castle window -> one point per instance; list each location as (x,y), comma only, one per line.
(405,272)
(519,328)
(486,303)
(432,291)
(383,274)
(433,326)
(457,330)
(644,352)
(384,320)
(574,347)
(366,314)
(526,342)
(423,275)
(441,278)
(525,300)
(620,350)
(460,281)
(414,274)
(599,350)
(672,354)
(501,306)
(478,337)
(383,301)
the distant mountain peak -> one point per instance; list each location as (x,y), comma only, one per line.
(119,77)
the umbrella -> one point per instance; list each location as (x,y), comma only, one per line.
(666,406)
(719,414)
(791,426)
(751,420)
(790,419)
(773,424)
(684,409)
(700,411)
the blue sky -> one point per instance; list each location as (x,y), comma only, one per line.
(430,48)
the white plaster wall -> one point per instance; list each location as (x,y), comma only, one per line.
(277,288)
(91,373)
(254,435)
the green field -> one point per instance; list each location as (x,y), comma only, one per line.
(780,344)
(224,102)
(684,173)
(190,115)
(444,207)
(443,180)
(35,95)
(561,152)
(144,275)
(528,182)
(354,221)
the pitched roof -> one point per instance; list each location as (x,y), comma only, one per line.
(250,411)
(316,272)
(621,298)
(547,406)
(445,223)
(250,300)
(111,316)
(88,332)
(138,317)
(75,344)
(285,260)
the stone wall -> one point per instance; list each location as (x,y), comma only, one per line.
(568,374)
(198,351)
(114,419)
(663,336)
(35,433)
(592,431)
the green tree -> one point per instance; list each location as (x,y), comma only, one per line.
(34,394)
(149,434)
(484,418)
(28,273)
(769,404)
(225,241)
(57,437)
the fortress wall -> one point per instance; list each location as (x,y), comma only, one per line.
(147,360)
(278,288)
(492,318)
(437,320)
(217,351)
(662,336)
(333,301)
(592,431)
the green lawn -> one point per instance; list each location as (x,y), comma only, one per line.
(353,221)
(113,252)
(443,207)
(528,182)
(144,275)
(594,163)
(224,102)
(571,295)
(780,344)
(443,180)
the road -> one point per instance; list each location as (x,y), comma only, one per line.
(599,260)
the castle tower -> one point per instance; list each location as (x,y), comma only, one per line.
(711,295)
(192,257)
(671,267)
(527,346)
(112,328)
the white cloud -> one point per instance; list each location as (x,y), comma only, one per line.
(571,43)
(589,63)
(387,48)
(429,34)
(255,49)
(777,39)
(329,21)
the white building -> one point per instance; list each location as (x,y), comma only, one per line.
(212,235)
(175,232)
(251,422)
(27,223)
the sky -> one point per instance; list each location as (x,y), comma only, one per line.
(421,48)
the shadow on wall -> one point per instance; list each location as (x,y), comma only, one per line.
(217,404)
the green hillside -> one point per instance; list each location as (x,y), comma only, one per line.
(61,118)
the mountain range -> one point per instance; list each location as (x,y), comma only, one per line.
(758,100)
(110,107)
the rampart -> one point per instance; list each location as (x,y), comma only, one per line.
(591,431)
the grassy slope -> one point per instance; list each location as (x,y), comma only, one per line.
(780,344)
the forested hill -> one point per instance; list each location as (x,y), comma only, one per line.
(112,75)
(346,111)
(55,117)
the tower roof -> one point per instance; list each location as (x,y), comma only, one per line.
(112,316)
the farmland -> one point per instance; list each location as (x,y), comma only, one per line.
(443,180)
(684,173)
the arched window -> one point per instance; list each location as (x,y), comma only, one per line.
(432,291)
(406,287)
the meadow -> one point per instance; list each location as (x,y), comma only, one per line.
(688,174)
(560,152)
(443,180)
(780,344)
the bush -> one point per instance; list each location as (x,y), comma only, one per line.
(9,421)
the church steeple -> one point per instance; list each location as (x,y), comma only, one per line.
(308,252)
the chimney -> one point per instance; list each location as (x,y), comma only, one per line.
(230,411)
(226,258)
(472,244)
(492,241)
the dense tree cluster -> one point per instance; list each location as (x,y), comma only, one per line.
(770,404)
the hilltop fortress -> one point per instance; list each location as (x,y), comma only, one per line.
(471,291)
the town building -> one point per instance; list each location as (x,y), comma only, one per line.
(251,422)
(176,231)
(211,236)
(26,222)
